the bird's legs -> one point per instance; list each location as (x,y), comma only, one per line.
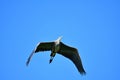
(51,58)
(52,55)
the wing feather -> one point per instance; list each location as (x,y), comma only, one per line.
(73,55)
(44,46)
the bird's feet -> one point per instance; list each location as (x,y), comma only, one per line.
(50,60)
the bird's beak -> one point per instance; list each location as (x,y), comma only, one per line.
(60,37)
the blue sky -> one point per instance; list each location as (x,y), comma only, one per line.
(92,26)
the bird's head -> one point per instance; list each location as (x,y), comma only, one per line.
(59,39)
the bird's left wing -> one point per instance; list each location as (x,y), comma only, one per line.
(73,55)
(43,46)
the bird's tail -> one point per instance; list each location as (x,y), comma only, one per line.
(29,58)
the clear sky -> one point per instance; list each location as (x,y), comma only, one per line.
(92,26)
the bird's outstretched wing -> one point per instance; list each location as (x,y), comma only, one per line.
(73,55)
(43,46)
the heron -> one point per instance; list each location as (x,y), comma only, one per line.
(59,47)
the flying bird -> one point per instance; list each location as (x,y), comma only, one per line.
(59,47)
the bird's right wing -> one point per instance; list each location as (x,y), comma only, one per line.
(43,46)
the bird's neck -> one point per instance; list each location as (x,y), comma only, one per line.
(57,42)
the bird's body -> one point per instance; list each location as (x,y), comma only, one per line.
(58,47)
(55,49)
